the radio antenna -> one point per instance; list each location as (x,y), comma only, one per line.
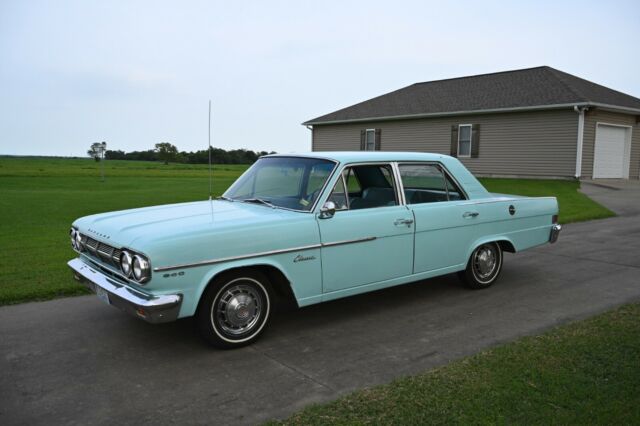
(210,166)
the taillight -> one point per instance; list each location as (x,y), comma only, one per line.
(554,219)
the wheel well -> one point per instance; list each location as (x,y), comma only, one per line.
(279,282)
(506,246)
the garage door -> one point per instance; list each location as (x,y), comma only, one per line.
(611,159)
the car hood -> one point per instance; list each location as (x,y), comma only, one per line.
(126,228)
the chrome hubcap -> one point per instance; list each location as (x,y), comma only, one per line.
(238,309)
(485,262)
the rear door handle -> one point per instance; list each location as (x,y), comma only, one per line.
(468,215)
(406,222)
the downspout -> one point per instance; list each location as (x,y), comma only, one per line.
(311,129)
(580,112)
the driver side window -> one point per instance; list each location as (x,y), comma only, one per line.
(363,187)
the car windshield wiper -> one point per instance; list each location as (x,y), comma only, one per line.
(259,201)
(222,197)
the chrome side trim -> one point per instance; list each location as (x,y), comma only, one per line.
(494,200)
(261,254)
(341,243)
(231,258)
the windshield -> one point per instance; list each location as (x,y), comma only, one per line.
(289,182)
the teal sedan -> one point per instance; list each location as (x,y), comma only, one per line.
(305,229)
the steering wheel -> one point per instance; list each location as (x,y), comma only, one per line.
(309,198)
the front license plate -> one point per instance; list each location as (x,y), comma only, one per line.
(103,295)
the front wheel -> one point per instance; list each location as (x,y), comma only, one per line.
(484,266)
(235,309)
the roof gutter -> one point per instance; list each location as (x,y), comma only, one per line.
(482,111)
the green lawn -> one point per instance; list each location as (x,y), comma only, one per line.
(582,373)
(40,198)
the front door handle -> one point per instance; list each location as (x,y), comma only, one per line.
(399,222)
(468,215)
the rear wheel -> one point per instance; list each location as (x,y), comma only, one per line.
(484,266)
(235,309)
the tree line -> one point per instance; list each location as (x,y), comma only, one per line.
(167,152)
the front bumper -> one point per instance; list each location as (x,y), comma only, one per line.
(555,231)
(153,309)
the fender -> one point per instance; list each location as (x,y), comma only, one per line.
(489,239)
(305,278)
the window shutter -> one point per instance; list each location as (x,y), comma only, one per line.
(363,140)
(475,140)
(454,140)
(378,139)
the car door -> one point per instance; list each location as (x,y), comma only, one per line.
(445,225)
(369,239)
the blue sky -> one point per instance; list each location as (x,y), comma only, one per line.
(134,73)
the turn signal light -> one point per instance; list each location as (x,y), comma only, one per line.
(554,219)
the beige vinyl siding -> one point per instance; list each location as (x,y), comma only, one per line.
(539,143)
(592,118)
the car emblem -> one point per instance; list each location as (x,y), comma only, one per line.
(94,232)
(301,258)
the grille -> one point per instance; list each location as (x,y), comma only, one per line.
(102,251)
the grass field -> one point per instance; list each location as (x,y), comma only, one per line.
(586,373)
(40,198)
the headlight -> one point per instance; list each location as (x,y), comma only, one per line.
(126,263)
(72,234)
(79,245)
(140,268)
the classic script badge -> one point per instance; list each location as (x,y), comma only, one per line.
(301,258)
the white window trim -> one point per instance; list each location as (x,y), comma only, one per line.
(366,145)
(470,126)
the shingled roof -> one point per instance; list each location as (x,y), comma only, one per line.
(532,88)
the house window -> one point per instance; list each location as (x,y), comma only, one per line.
(370,140)
(464,140)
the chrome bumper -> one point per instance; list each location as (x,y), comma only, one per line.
(555,231)
(153,309)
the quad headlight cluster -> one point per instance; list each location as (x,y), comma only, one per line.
(132,265)
(135,266)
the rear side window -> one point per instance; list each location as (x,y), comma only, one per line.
(427,183)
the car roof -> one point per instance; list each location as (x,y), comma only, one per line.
(362,156)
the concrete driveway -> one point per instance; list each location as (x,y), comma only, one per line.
(77,361)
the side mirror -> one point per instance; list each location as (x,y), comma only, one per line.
(328,210)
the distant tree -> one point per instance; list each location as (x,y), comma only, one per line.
(166,152)
(97,150)
(115,155)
